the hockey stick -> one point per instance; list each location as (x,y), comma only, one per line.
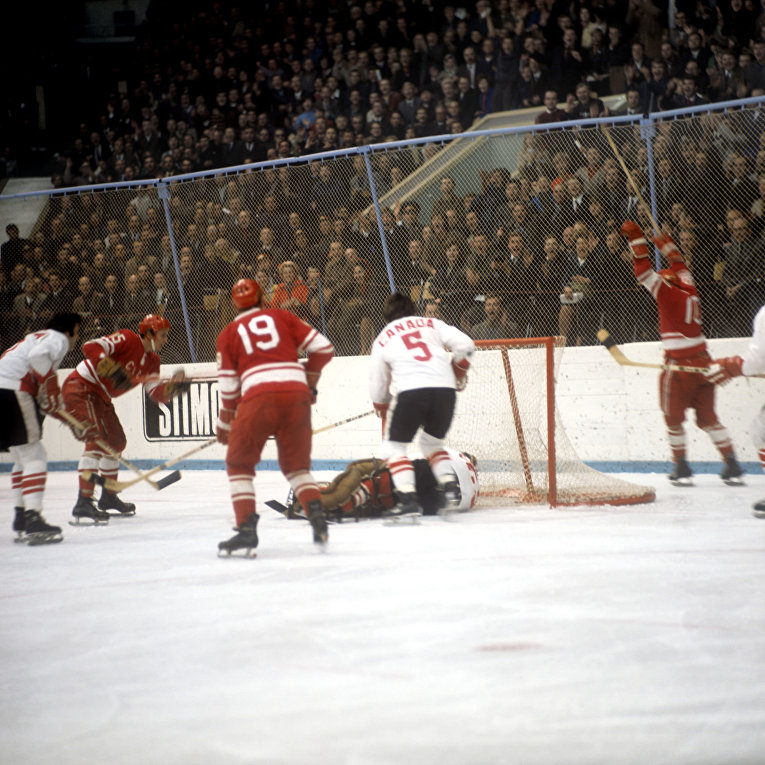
(93,477)
(122,485)
(343,422)
(634,185)
(620,358)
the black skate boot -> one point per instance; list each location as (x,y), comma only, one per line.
(407,507)
(758,511)
(18,523)
(318,519)
(38,532)
(732,472)
(111,501)
(245,539)
(682,474)
(86,513)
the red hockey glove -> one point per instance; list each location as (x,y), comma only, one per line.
(668,248)
(723,370)
(312,378)
(49,395)
(83,431)
(634,233)
(381,410)
(460,373)
(223,427)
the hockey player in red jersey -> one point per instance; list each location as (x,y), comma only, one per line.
(684,344)
(28,391)
(265,391)
(113,365)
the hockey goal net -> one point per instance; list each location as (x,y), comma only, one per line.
(507,418)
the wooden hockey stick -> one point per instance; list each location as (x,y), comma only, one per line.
(94,477)
(620,358)
(122,485)
(343,422)
(624,167)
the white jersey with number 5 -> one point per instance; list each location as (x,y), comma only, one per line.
(412,352)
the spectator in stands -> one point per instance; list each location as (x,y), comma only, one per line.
(292,293)
(496,325)
(743,277)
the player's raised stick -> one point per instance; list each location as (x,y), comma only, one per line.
(623,164)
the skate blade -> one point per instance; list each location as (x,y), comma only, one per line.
(407,519)
(758,512)
(118,514)
(681,482)
(246,552)
(50,538)
(733,481)
(88,522)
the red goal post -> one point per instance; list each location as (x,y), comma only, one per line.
(507,418)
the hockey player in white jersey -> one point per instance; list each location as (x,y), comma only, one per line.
(411,356)
(29,390)
(751,362)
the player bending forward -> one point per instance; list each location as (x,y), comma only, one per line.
(684,344)
(752,362)
(410,354)
(364,488)
(265,391)
(113,365)
(28,391)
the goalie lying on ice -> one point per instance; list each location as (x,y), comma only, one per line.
(364,489)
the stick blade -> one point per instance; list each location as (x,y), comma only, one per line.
(172,478)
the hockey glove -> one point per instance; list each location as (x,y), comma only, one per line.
(460,373)
(312,378)
(113,371)
(49,395)
(175,386)
(223,427)
(634,233)
(84,431)
(723,370)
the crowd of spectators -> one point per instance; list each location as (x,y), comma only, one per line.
(522,255)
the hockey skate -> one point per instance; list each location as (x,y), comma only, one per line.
(758,511)
(318,519)
(452,496)
(732,472)
(245,539)
(38,532)
(86,513)
(18,524)
(407,508)
(111,501)
(682,475)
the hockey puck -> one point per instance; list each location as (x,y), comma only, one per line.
(169,479)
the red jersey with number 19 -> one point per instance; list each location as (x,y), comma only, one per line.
(258,352)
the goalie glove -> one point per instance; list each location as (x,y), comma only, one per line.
(637,242)
(223,426)
(722,371)
(49,395)
(113,371)
(460,373)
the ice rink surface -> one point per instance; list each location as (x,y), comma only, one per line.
(518,636)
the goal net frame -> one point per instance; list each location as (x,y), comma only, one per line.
(543,458)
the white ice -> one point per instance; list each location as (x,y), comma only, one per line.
(524,635)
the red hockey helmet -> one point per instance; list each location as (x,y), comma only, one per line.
(154,322)
(246,294)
